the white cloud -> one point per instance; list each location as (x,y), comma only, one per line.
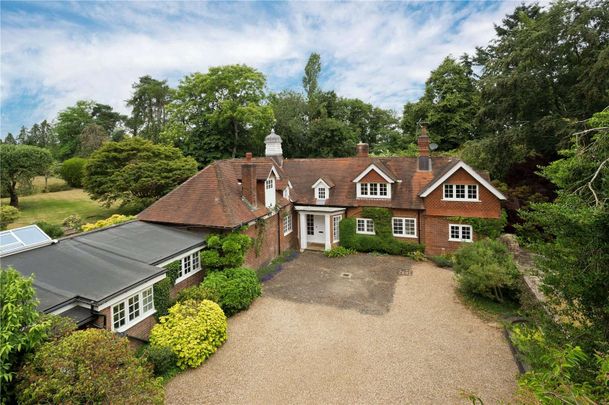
(379,52)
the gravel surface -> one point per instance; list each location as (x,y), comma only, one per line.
(428,348)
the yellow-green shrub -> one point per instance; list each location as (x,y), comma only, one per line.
(192,330)
(102,223)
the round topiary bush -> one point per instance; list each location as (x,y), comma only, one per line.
(193,330)
(73,171)
(8,215)
(485,268)
(88,366)
(236,289)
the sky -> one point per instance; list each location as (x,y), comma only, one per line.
(56,53)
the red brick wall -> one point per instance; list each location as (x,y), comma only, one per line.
(188,282)
(357,213)
(373,177)
(274,241)
(488,207)
(436,236)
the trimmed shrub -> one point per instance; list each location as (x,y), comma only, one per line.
(73,222)
(73,171)
(197,293)
(163,360)
(441,261)
(485,268)
(54,231)
(236,289)
(102,223)
(339,251)
(225,252)
(192,330)
(88,366)
(56,187)
(8,215)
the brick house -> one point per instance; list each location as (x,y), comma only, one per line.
(299,203)
(105,278)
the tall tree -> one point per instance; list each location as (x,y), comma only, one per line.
(148,102)
(290,111)
(24,136)
(10,139)
(449,105)
(91,138)
(224,111)
(21,163)
(310,83)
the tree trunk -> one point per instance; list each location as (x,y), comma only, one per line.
(46,182)
(236,131)
(12,191)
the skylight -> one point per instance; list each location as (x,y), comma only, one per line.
(20,239)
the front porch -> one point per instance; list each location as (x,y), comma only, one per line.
(318,226)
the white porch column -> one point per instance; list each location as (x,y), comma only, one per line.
(327,231)
(302,227)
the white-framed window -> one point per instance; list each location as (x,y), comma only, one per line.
(373,190)
(321,193)
(462,192)
(287,224)
(133,309)
(336,227)
(365,226)
(269,183)
(460,233)
(189,264)
(286,192)
(406,227)
(310,224)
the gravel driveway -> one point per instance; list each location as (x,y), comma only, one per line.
(428,348)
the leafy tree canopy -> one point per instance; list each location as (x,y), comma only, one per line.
(21,163)
(148,102)
(135,171)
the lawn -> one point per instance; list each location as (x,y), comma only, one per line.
(55,207)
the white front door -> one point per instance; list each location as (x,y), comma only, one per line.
(316,228)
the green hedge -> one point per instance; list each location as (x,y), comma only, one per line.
(235,288)
(383,241)
(162,289)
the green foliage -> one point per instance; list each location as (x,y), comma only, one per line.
(290,111)
(449,105)
(53,230)
(235,288)
(163,359)
(88,366)
(225,251)
(21,163)
(417,256)
(148,102)
(560,375)
(20,326)
(103,223)
(485,227)
(192,330)
(442,261)
(73,171)
(331,137)
(162,289)
(73,222)
(58,326)
(135,170)
(8,215)
(382,242)
(485,268)
(339,251)
(215,114)
(198,293)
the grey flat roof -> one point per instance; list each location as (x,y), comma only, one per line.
(99,265)
(143,241)
(80,315)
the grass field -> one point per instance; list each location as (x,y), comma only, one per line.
(55,207)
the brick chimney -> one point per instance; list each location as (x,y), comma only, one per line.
(424,159)
(248,180)
(361,149)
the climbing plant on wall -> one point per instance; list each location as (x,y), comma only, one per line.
(484,227)
(162,289)
(225,251)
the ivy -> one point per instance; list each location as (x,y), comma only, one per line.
(162,289)
(383,240)
(260,228)
(225,251)
(485,227)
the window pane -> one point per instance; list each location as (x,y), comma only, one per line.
(134,307)
(321,193)
(472,192)
(118,315)
(448,191)
(310,225)
(361,225)
(460,191)
(398,226)
(369,226)
(147,300)
(454,232)
(363,189)
(466,233)
(383,189)
(373,189)
(409,227)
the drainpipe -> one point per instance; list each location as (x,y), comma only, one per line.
(279,223)
(419,225)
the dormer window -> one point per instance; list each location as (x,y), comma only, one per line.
(269,192)
(321,193)
(461,192)
(373,190)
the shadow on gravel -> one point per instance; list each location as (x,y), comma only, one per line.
(362,282)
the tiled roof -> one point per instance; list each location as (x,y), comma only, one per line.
(213,197)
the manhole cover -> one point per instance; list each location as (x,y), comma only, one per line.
(346,275)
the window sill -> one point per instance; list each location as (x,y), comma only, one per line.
(460,240)
(287,233)
(460,200)
(184,277)
(134,322)
(368,197)
(405,236)
(365,233)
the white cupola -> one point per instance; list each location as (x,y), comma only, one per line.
(272,144)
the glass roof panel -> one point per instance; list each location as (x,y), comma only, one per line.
(28,237)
